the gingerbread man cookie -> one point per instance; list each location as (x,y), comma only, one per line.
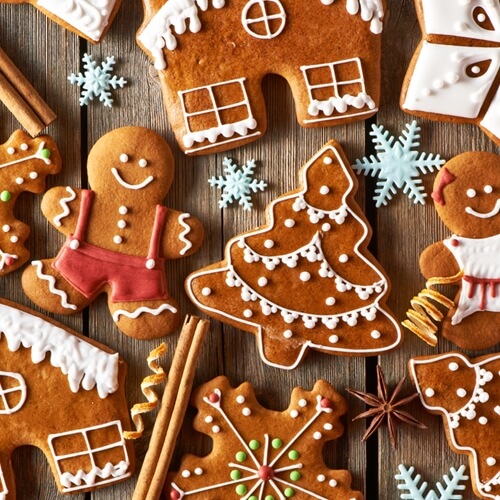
(466,393)
(213,55)
(64,394)
(467,198)
(260,453)
(305,280)
(24,164)
(118,237)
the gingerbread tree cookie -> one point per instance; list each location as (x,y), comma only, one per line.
(304,280)
(260,453)
(466,393)
(119,236)
(24,164)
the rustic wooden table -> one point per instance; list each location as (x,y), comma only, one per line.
(47,54)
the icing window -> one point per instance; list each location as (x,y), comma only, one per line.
(263,18)
(12,393)
(95,446)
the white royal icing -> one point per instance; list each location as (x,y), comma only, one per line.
(64,205)
(3,487)
(263,18)
(184,233)
(491,119)
(134,187)
(3,258)
(370,10)
(88,16)
(137,312)
(20,387)
(36,155)
(85,365)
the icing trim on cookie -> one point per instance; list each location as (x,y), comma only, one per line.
(52,285)
(64,205)
(38,155)
(264,19)
(86,366)
(137,312)
(20,387)
(5,258)
(109,473)
(182,236)
(116,174)
(487,215)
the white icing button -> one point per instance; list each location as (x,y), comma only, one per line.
(5,228)
(262,281)
(198,471)
(19,180)
(497,409)
(247,313)
(240,399)
(117,239)
(14,239)
(327,160)
(123,210)
(324,190)
(471,193)
(215,429)
(33,175)
(461,393)
(24,146)
(143,163)
(332,483)
(328,427)
(289,223)
(288,334)
(302,403)
(483,420)
(269,243)
(74,244)
(375,334)
(305,276)
(321,478)
(488,189)
(333,339)
(326,227)
(294,413)
(185,473)
(330,301)
(317,436)
(343,258)
(246,412)
(481,17)
(122,224)
(150,263)
(429,392)
(124,158)
(475,69)
(491,461)
(453,366)
(11,150)
(209,419)
(206,291)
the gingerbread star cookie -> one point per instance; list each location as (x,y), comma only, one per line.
(260,453)
(118,237)
(305,280)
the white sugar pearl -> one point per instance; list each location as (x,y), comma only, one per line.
(375,334)
(288,334)
(328,427)
(209,419)
(117,239)
(240,399)
(305,276)
(429,392)
(333,339)
(122,224)
(19,180)
(185,473)
(215,429)
(24,146)
(5,228)
(246,412)
(33,175)
(343,258)
(302,403)
(475,69)
(317,436)
(206,291)
(461,393)
(150,263)
(321,478)
(247,313)
(330,301)
(269,243)
(74,244)
(326,227)
(289,223)
(332,483)
(124,158)
(481,17)
(491,461)
(327,160)
(262,281)
(324,190)
(143,163)
(471,193)
(294,413)
(453,366)
(198,471)
(11,150)
(488,189)
(483,420)
(14,239)
(123,210)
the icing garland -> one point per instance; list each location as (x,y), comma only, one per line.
(143,309)
(184,233)
(64,205)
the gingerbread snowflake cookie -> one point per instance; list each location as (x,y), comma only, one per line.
(453,75)
(466,393)
(305,280)
(259,453)
(214,98)
(24,164)
(64,394)
(119,236)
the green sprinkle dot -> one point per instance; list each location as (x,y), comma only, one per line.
(295,475)
(293,455)
(241,489)
(289,492)
(253,497)
(45,153)
(269,497)
(254,444)
(241,456)
(277,443)
(5,196)
(235,475)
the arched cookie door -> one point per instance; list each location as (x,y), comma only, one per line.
(12,392)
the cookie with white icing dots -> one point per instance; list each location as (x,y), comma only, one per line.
(453,75)
(212,57)
(304,280)
(467,198)
(24,165)
(64,394)
(466,393)
(259,453)
(118,237)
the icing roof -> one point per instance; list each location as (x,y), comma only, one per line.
(85,365)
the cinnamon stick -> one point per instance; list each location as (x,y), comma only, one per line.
(22,99)
(173,408)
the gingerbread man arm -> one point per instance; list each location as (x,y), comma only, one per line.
(182,235)
(61,207)
(437,261)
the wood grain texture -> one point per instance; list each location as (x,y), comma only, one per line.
(47,55)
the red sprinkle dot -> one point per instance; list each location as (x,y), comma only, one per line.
(454,242)
(175,495)
(214,398)
(9,261)
(265,473)
(325,403)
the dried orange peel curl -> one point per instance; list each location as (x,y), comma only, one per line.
(424,317)
(147,388)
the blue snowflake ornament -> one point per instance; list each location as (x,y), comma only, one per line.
(97,81)
(237,184)
(398,164)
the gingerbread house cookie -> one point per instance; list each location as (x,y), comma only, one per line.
(64,394)
(213,55)
(305,280)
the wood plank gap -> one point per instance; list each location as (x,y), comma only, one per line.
(372,444)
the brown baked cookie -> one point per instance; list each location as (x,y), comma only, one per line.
(305,280)
(24,164)
(453,75)
(64,394)
(259,453)
(213,55)
(119,237)
(467,198)
(89,19)
(466,393)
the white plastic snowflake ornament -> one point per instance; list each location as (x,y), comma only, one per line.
(97,81)
(237,184)
(398,164)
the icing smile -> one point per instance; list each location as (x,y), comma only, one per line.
(486,215)
(144,183)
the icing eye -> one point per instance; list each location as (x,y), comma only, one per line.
(11,150)
(471,193)
(124,158)
(488,189)
(143,163)
(482,19)
(478,69)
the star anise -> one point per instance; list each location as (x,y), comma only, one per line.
(386,407)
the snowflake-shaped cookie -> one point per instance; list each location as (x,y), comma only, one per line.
(259,453)
(237,184)
(97,81)
(398,164)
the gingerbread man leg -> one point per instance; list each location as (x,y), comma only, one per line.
(42,282)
